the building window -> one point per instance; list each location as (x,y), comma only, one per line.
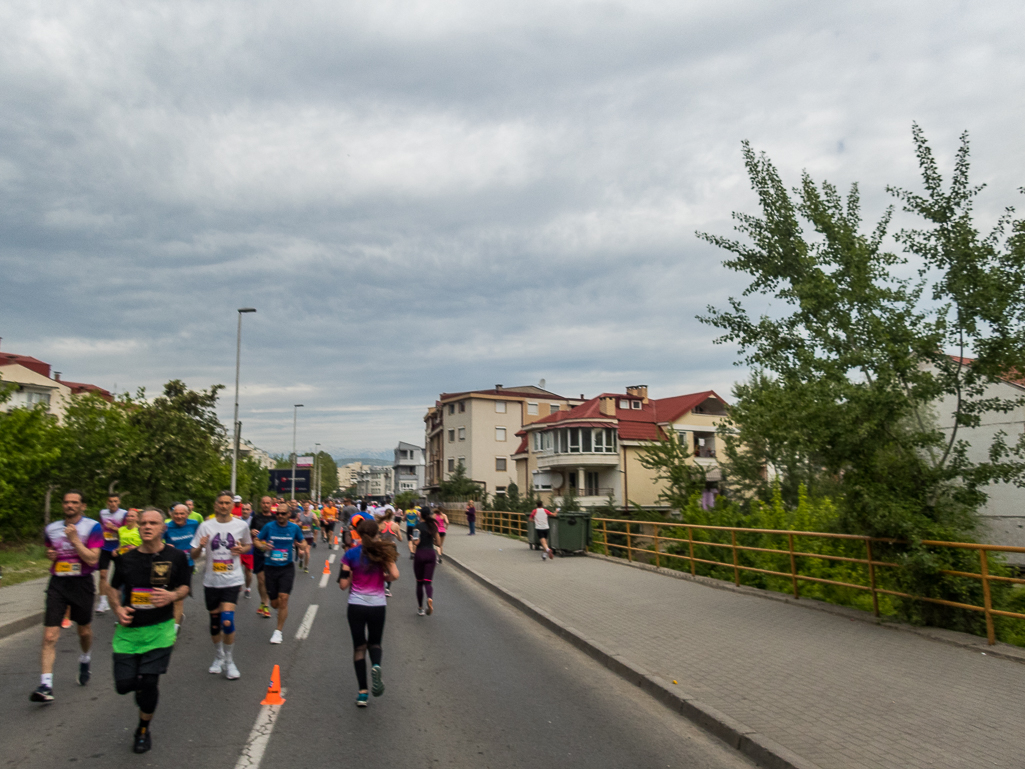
(553,408)
(462,461)
(462,433)
(635,404)
(499,433)
(500,464)
(451,465)
(462,406)
(624,404)
(500,491)
(451,436)
(532,409)
(451,408)
(499,407)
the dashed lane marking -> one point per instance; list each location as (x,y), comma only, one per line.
(252,751)
(304,628)
(323,579)
(331,559)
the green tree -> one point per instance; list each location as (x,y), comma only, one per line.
(406,499)
(459,487)
(853,357)
(28,450)
(680,478)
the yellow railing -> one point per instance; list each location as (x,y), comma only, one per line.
(651,534)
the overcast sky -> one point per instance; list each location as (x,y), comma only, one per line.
(427,197)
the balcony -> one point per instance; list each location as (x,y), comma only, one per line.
(578,459)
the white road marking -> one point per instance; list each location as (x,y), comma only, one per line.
(323,579)
(304,628)
(331,559)
(252,751)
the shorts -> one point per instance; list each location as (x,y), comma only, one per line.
(151,663)
(543,534)
(257,561)
(279,579)
(328,526)
(309,540)
(105,558)
(215,596)
(76,592)
(247,560)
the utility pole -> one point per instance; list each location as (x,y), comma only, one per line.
(316,471)
(295,413)
(235,424)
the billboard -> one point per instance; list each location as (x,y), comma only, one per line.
(304,461)
(281,482)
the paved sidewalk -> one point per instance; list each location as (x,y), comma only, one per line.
(21,606)
(838,693)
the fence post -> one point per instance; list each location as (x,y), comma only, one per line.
(690,536)
(793,566)
(736,571)
(658,544)
(605,537)
(872,576)
(629,544)
(990,633)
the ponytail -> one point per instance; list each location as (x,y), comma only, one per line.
(376,550)
(428,515)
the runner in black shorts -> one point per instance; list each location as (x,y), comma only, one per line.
(277,540)
(260,519)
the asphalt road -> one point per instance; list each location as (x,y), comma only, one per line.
(475,685)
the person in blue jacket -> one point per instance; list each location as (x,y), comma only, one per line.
(276,540)
(178,534)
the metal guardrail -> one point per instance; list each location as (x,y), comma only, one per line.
(515,524)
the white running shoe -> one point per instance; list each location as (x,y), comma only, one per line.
(217,666)
(230,671)
(276,637)
(248,591)
(544,556)
(104,606)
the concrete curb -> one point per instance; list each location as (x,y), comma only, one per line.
(23,623)
(757,747)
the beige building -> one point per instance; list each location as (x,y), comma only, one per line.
(478,428)
(374,482)
(33,384)
(347,474)
(596,447)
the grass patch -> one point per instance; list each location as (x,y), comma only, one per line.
(22,563)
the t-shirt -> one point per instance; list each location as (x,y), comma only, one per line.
(438,519)
(111,522)
(128,538)
(348,511)
(281,539)
(540,518)
(259,520)
(136,575)
(197,517)
(68,564)
(412,517)
(330,513)
(424,536)
(367,578)
(181,536)
(222,568)
(305,521)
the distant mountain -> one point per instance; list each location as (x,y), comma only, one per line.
(375,461)
(361,454)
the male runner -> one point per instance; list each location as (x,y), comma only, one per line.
(73,545)
(328,519)
(276,539)
(179,533)
(193,514)
(348,510)
(246,514)
(307,521)
(148,582)
(225,538)
(260,519)
(111,519)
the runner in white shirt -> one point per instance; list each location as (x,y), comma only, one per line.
(225,538)
(541,526)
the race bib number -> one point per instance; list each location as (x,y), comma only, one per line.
(278,556)
(110,536)
(123,549)
(142,598)
(67,568)
(223,566)
(307,528)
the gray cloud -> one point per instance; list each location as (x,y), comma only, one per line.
(422,198)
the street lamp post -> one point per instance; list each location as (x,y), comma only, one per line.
(235,424)
(316,471)
(295,416)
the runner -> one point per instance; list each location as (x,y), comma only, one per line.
(365,568)
(73,545)
(348,510)
(360,515)
(149,580)
(328,519)
(225,538)
(442,520)
(276,540)
(128,534)
(179,533)
(424,558)
(540,518)
(111,519)
(389,531)
(412,519)
(307,521)
(256,524)
(246,515)
(193,514)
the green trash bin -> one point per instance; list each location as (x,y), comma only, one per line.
(571,532)
(532,540)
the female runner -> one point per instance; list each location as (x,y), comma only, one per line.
(441,520)
(425,536)
(365,569)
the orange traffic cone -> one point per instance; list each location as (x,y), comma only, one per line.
(336,540)
(274,689)
(327,568)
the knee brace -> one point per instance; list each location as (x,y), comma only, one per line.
(227,622)
(215,624)
(147,695)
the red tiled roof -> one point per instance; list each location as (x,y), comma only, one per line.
(1014,377)
(505,391)
(522,448)
(78,388)
(33,364)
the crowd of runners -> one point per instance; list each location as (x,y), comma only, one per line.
(146,560)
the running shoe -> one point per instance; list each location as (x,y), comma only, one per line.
(249,590)
(230,671)
(362,700)
(103,607)
(544,556)
(387,592)
(217,666)
(430,606)
(377,687)
(305,570)
(65,623)
(276,637)
(142,741)
(264,611)
(43,694)
(420,612)
(83,673)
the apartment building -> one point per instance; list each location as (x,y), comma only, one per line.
(374,482)
(408,468)
(347,474)
(478,428)
(33,384)
(595,447)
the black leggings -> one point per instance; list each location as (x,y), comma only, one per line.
(423,569)
(145,688)
(366,623)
